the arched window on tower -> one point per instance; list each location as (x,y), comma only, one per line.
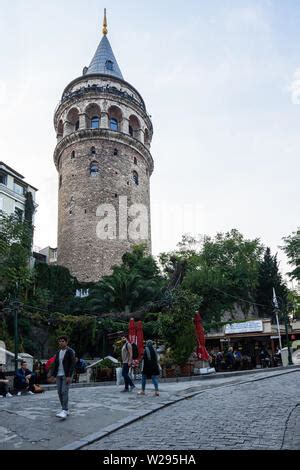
(135,177)
(95,122)
(94,168)
(130,130)
(109,65)
(113,124)
(93,151)
(73,154)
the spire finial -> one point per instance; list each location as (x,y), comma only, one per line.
(104,28)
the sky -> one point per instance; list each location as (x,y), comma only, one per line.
(221,80)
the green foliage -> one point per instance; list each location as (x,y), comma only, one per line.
(292,250)
(15,274)
(224,270)
(54,286)
(177,327)
(269,277)
(131,285)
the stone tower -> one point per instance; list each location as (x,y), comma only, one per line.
(104,165)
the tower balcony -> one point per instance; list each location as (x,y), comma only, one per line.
(106,135)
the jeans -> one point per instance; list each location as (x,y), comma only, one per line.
(127,379)
(154,381)
(63,391)
(3,389)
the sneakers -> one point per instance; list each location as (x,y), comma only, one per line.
(8,395)
(63,414)
(19,394)
(30,393)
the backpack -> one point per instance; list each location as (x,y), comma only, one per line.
(135,351)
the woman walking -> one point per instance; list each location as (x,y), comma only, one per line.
(150,368)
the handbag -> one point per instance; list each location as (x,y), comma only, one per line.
(37,388)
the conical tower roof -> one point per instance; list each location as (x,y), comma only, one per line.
(104,61)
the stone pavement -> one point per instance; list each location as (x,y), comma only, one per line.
(29,422)
(258,415)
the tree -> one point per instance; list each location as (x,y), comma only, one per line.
(224,272)
(292,250)
(176,325)
(134,283)
(269,277)
(15,272)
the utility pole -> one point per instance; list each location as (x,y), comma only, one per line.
(15,309)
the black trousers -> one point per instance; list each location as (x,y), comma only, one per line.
(3,389)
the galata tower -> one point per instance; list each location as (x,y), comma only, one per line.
(104,166)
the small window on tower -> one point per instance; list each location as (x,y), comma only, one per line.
(94,168)
(77,125)
(93,150)
(115,151)
(109,65)
(60,180)
(135,177)
(130,130)
(73,154)
(135,161)
(95,122)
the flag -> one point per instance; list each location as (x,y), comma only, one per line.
(275,303)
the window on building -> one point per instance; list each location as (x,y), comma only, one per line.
(130,130)
(60,180)
(113,124)
(95,122)
(73,154)
(115,151)
(135,177)
(109,65)
(77,125)
(19,214)
(19,189)
(94,168)
(135,161)
(93,150)
(3,178)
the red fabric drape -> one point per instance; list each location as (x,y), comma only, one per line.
(140,339)
(49,362)
(201,349)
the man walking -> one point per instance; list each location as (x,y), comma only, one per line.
(63,370)
(126,361)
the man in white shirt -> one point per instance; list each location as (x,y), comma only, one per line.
(63,370)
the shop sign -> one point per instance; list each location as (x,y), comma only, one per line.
(245,327)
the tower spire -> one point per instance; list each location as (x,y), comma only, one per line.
(104,27)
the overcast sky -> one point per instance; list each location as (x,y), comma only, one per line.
(221,80)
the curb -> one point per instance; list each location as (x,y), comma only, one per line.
(91,438)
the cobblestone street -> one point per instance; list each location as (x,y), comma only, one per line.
(255,410)
(260,415)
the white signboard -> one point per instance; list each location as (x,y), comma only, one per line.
(245,327)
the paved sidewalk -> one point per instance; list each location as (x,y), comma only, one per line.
(29,422)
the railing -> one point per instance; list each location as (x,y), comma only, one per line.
(100,89)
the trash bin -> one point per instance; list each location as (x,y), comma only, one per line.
(285,356)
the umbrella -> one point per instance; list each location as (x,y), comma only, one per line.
(201,349)
(49,362)
(140,339)
(131,331)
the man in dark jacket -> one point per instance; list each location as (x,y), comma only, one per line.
(24,379)
(63,370)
